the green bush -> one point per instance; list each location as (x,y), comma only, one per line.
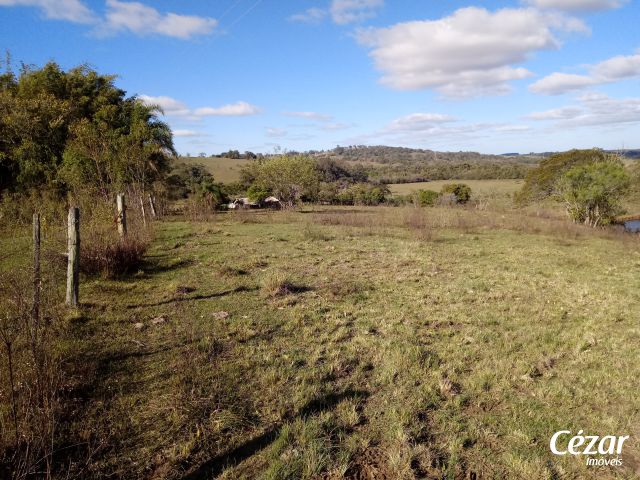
(425,198)
(461,191)
(592,192)
(541,182)
(368,194)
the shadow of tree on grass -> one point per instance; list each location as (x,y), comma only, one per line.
(215,466)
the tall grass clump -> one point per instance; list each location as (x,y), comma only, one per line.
(31,373)
(102,251)
(279,284)
(111,258)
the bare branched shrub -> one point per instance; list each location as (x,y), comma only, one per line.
(31,375)
(102,251)
(112,258)
(198,209)
(420,223)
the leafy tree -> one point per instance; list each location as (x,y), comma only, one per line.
(288,177)
(540,182)
(461,191)
(146,146)
(33,133)
(328,192)
(249,173)
(211,193)
(234,189)
(100,157)
(592,192)
(76,130)
(258,193)
(185,179)
(333,171)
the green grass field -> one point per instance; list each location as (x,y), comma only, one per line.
(484,188)
(224,170)
(361,343)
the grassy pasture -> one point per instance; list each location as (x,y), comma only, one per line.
(223,169)
(361,343)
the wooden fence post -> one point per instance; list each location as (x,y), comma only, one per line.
(152,205)
(122,215)
(73,264)
(37,285)
(144,214)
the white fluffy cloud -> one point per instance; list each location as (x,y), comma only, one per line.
(311,15)
(176,108)
(471,52)
(275,132)
(121,16)
(418,122)
(593,109)
(186,133)
(562,113)
(432,128)
(331,127)
(348,11)
(558,83)
(318,117)
(70,10)
(609,71)
(170,106)
(576,5)
(143,20)
(341,12)
(238,109)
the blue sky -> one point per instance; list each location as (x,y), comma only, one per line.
(494,77)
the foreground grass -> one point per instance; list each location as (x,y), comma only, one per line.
(369,343)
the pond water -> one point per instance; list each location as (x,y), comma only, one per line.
(632,226)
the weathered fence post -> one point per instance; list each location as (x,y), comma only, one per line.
(144,214)
(122,215)
(73,264)
(152,205)
(37,285)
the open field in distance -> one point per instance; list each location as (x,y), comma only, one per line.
(478,187)
(224,170)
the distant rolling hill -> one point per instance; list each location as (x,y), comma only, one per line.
(402,165)
(224,170)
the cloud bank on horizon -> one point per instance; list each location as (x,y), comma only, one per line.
(508,56)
